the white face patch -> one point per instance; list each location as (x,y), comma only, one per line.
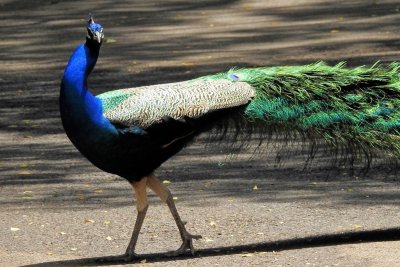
(97,35)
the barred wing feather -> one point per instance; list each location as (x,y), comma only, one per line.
(143,106)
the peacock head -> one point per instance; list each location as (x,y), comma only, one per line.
(94,31)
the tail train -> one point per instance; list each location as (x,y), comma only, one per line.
(341,105)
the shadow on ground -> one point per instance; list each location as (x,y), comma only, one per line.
(392,234)
(156,42)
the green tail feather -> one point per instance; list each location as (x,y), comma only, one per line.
(360,106)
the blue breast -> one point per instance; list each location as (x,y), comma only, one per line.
(81,112)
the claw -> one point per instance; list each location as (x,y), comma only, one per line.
(187,244)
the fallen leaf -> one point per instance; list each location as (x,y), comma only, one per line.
(166,182)
(27,194)
(63,233)
(14,229)
(106,222)
(175,198)
(255,187)
(109,238)
(334,31)
(24,172)
(98,190)
(143,261)
(49,253)
(247,6)
(88,221)
(357,226)
(74,249)
(110,40)
(187,64)
(23,165)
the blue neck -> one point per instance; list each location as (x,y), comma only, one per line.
(81,112)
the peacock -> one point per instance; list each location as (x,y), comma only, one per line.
(131,132)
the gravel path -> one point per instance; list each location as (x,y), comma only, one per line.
(58,210)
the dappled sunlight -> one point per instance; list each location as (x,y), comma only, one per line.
(56,205)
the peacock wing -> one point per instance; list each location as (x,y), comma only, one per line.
(147,105)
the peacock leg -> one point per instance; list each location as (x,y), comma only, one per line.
(165,195)
(142,206)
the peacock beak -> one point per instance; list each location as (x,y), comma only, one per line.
(98,36)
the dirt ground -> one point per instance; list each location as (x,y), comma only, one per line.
(56,209)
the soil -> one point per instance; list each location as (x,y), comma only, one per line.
(56,209)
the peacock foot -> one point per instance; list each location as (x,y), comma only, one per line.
(187,244)
(127,257)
